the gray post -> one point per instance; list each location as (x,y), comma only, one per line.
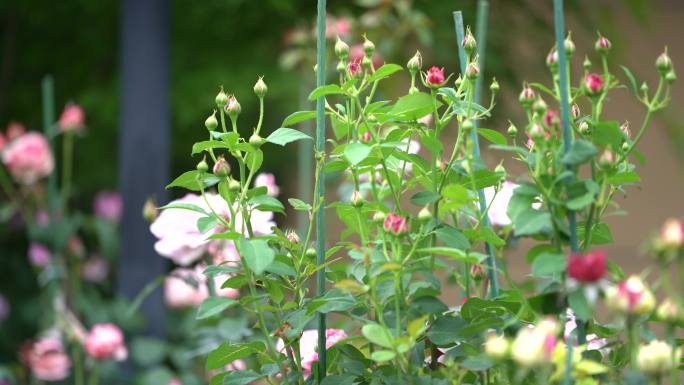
(143,145)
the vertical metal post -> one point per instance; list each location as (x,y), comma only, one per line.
(320,194)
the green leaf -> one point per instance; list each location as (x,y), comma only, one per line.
(600,234)
(633,84)
(579,304)
(206,224)
(206,145)
(422,198)
(445,330)
(299,204)
(356,152)
(328,89)
(284,135)
(547,264)
(185,206)
(257,254)
(456,254)
(147,351)
(531,222)
(383,355)
(188,180)
(580,151)
(624,177)
(231,235)
(384,71)
(477,363)
(226,353)
(452,238)
(242,377)
(414,106)
(378,335)
(213,306)
(297,117)
(267,203)
(607,133)
(333,300)
(493,136)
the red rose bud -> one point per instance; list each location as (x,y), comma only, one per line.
(587,268)
(232,107)
(477,271)
(527,96)
(472,71)
(602,45)
(395,224)
(356,199)
(368,47)
(354,68)
(593,84)
(575,111)
(551,119)
(260,88)
(341,49)
(607,159)
(366,137)
(435,76)
(211,123)
(468,43)
(664,63)
(415,63)
(221,99)
(221,167)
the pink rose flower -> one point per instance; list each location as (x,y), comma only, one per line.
(498,205)
(72,118)
(593,84)
(587,268)
(28,158)
(267,180)
(354,67)
(39,255)
(188,287)
(335,27)
(47,359)
(435,76)
(108,205)
(395,224)
(106,341)
(95,269)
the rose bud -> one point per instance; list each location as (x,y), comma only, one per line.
(477,271)
(671,76)
(527,96)
(221,99)
(260,88)
(341,49)
(467,125)
(540,106)
(366,62)
(292,237)
(586,64)
(657,358)
(379,217)
(672,233)
(472,71)
(221,167)
(435,77)
(575,110)
(551,119)
(631,297)
(256,140)
(534,346)
(341,67)
(569,45)
(354,68)
(424,214)
(607,159)
(106,341)
(644,88)
(202,166)
(593,84)
(552,59)
(311,252)
(234,186)
(497,346)
(602,45)
(233,107)
(468,43)
(537,132)
(458,81)
(356,199)
(368,47)
(72,118)
(588,268)
(624,128)
(494,87)
(366,137)
(584,128)
(149,211)
(512,130)
(669,312)
(664,63)
(415,63)
(395,224)
(211,123)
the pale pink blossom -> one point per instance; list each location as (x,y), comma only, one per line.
(72,118)
(174,381)
(106,341)
(95,269)
(593,341)
(47,359)
(267,180)
(108,205)
(308,346)
(188,287)
(498,205)
(357,53)
(335,27)
(28,158)
(426,120)
(39,255)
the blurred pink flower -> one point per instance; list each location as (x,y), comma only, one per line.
(42,218)
(106,341)
(15,130)
(356,53)
(3,141)
(4,308)
(175,381)
(188,287)
(95,269)
(267,180)
(72,118)
(28,158)
(498,207)
(108,205)
(39,255)
(593,341)
(47,359)
(335,27)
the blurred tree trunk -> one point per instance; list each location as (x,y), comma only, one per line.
(143,145)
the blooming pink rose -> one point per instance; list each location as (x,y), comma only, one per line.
(106,341)
(28,158)
(72,118)
(95,269)
(267,180)
(587,268)
(47,359)
(108,205)
(435,76)
(15,130)
(39,255)
(395,224)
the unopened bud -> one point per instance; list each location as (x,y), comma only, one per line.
(575,111)
(586,64)
(607,159)
(221,99)
(671,76)
(260,88)
(233,185)
(424,214)
(467,125)
(458,81)
(540,106)
(624,127)
(256,140)
(468,43)
(669,312)
(366,137)
(221,167)
(593,84)
(664,63)
(233,107)
(494,87)
(626,146)
(552,59)
(644,88)
(537,132)
(584,128)
(366,62)
(150,211)
(527,96)
(415,63)
(292,237)
(311,253)
(379,217)
(368,47)
(341,49)
(512,130)
(569,45)
(202,166)
(602,45)
(477,271)
(472,71)
(211,123)
(341,67)
(357,199)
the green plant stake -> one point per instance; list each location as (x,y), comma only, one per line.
(481,27)
(320,192)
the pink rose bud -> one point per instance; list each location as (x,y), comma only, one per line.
(221,167)
(551,119)
(106,341)
(477,271)
(593,84)
(537,132)
(587,268)
(354,68)
(366,137)
(468,43)
(356,199)
(292,237)
(472,71)
(527,96)
(607,159)
(395,224)
(108,205)
(39,255)
(575,111)
(552,59)
(95,269)
(15,130)
(602,45)
(47,359)
(631,296)
(624,128)
(232,107)
(72,118)
(28,158)
(435,76)
(664,63)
